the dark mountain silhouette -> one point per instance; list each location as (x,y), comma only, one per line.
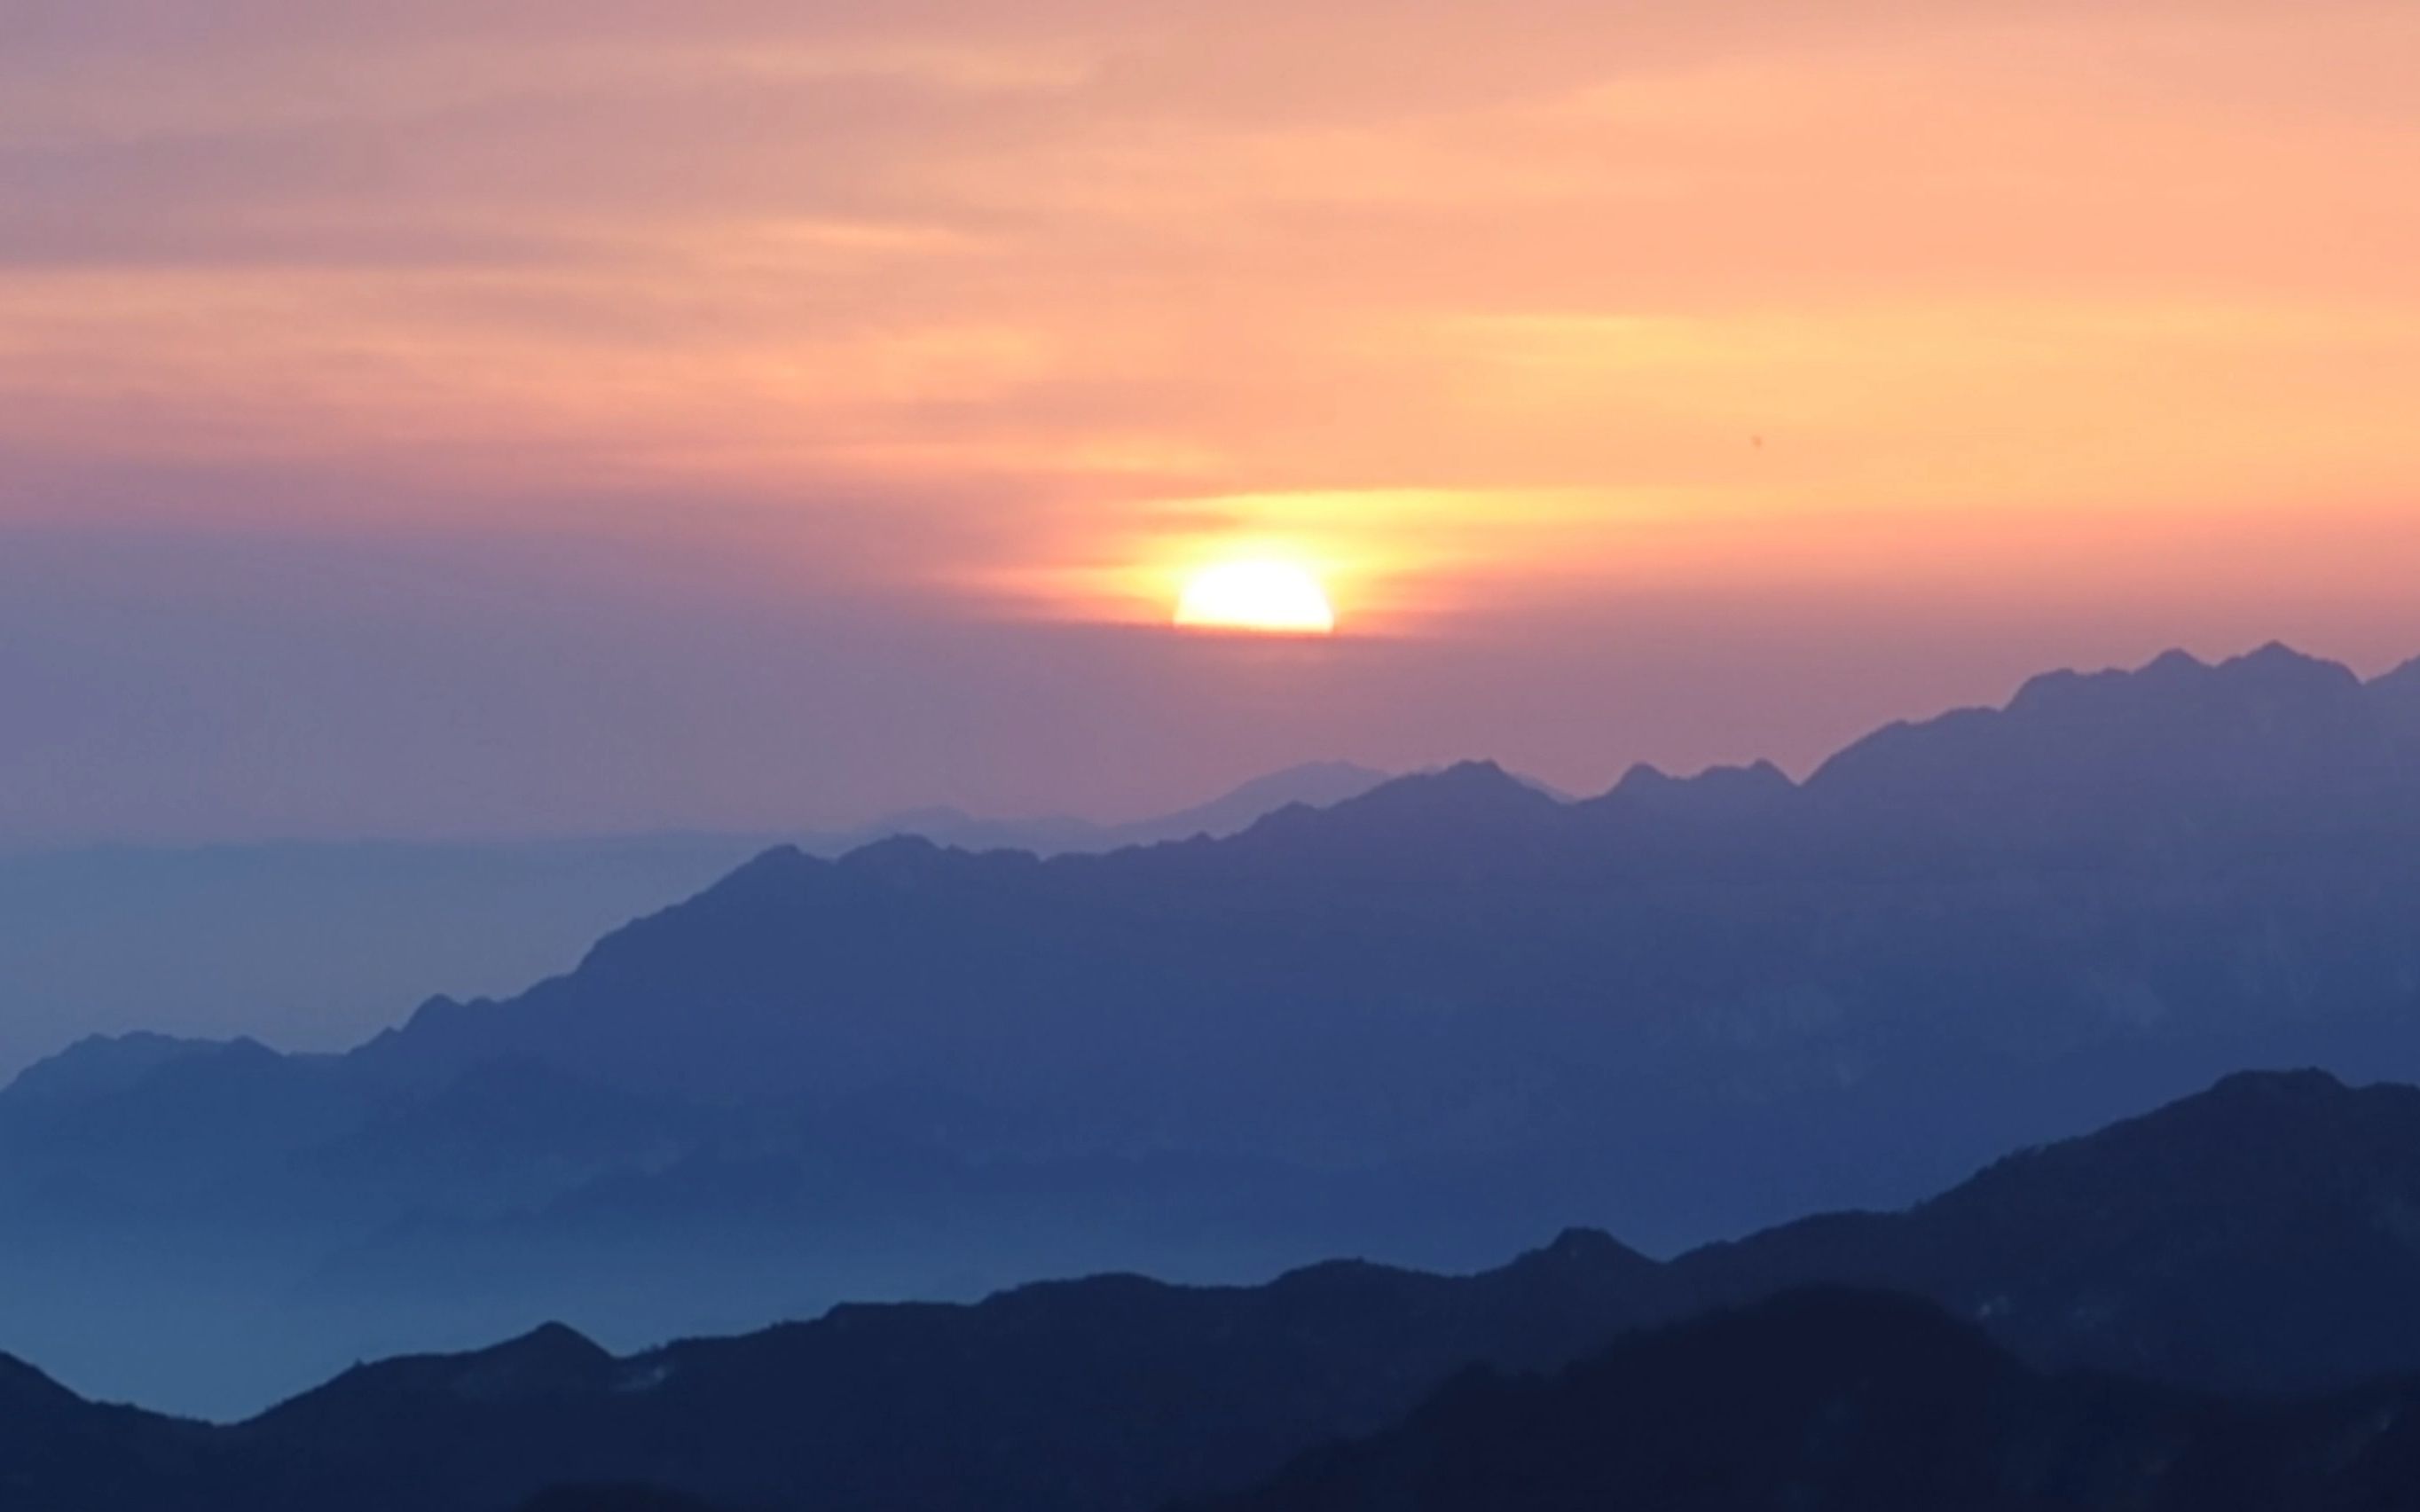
(1855,1400)
(2256,1235)
(1110,1392)
(1424,1024)
(2261,1236)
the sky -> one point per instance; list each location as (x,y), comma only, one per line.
(449,418)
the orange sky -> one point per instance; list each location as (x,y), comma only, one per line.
(1510,317)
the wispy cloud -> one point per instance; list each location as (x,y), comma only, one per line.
(979,309)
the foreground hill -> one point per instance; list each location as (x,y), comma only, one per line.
(1425,1024)
(1856,1401)
(2262,1236)
(1115,1393)
(2255,1236)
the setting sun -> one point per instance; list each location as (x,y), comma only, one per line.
(1262,597)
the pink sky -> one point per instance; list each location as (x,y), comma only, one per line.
(457,418)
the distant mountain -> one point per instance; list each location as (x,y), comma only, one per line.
(310,945)
(2272,741)
(319,945)
(2185,868)
(1855,1400)
(1722,793)
(1423,1023)
(1315,784)
(97,1068)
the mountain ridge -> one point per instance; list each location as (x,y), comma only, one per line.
(1839,1398)
(1220,1057)
(1118,1394)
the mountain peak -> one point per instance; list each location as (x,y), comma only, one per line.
(1583,1246)
(1718,789)
(2176,746)
(1480,792)
(2305,1088)
(549,1362)
(2308,1127)
(548,1344)
(99,1065)
(773,862)
(1480,773)
(552,1360)
(892,851)
(2176,662)
(2275,667)
(1338,780)
(2278,665)
(1644,777)
(777,874)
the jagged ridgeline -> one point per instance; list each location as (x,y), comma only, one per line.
(2253,1239)
(1426,1024)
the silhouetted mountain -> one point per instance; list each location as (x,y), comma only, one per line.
(2258,1233)
(2263,1235)
(57,1450)
(316,945)
(1422,1024)
(322,944)
(198,1101)
(1721,793)
(2267,741)
(1474,814)
(1855,1401)
(94,1069)
(1114,1393)
(2180,869)
(1313,784)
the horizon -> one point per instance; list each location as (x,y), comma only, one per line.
(1798,768)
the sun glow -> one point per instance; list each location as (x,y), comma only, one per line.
(1262,597)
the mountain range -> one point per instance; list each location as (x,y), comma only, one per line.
(321,943)
(1422,1024)
(2057,1332)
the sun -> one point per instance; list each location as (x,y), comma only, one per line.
(1264,597)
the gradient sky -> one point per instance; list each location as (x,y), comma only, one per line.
(445,417)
